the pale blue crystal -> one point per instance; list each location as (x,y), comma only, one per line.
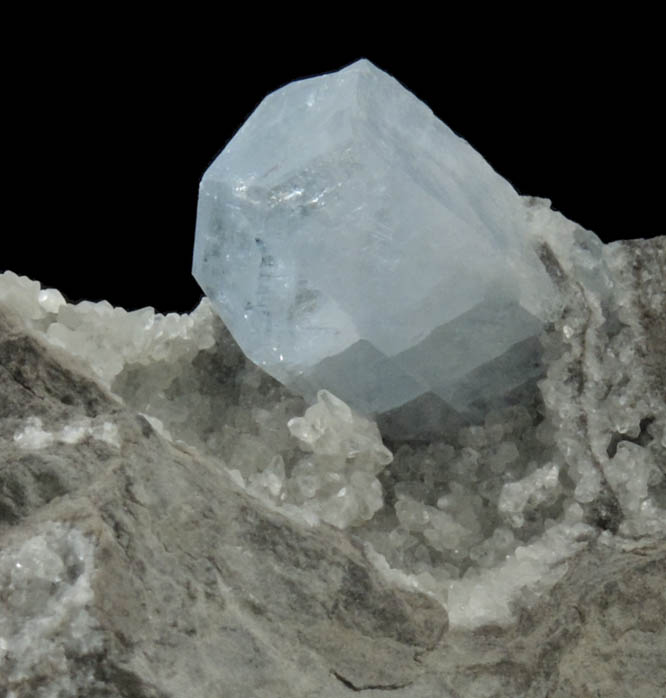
(351,241)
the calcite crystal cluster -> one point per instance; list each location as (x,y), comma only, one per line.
(352,242)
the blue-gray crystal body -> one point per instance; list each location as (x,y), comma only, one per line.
(351,241)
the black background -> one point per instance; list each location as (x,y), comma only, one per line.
(114,133)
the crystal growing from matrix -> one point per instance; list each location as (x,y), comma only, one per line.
(352,242)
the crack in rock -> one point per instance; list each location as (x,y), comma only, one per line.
(643,439)
(381,687)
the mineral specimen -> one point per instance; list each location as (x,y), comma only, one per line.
(164,517)
(173,519)
(352,242)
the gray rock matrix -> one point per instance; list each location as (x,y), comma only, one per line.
(133,565)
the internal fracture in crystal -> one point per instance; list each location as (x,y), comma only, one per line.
(352,242)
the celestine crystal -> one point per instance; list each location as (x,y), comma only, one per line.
(352,242)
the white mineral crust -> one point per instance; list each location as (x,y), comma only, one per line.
(351,241)
(46,586)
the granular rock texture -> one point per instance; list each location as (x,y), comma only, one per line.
(162,534)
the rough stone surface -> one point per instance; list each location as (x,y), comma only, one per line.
(149,569)
(196,589)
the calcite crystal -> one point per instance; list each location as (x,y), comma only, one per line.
(352,242)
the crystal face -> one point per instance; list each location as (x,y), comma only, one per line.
(352,242)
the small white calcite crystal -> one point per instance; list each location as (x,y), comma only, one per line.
(351,241)
(337,480)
